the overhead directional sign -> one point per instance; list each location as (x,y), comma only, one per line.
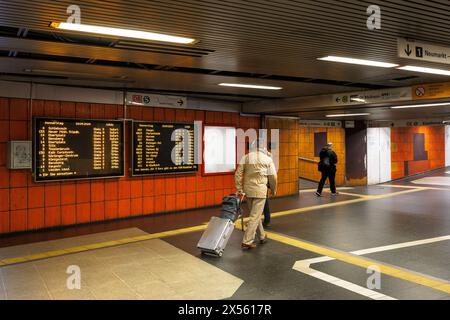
(372,96)
(411,49)
(320,123)
(431,91)
(156,100)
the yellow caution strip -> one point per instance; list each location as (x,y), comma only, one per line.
(342,203)
(101,245)
(413,187)
(393,271)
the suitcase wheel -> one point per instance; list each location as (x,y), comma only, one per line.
(220,253)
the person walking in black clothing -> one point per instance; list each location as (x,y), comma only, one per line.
(327,166)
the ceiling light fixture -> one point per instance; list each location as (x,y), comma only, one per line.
(357,100)
(421,105)
(359,61)
(126,33)
(426,70)
(249,86)
(347,115)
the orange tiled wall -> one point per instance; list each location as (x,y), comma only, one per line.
(288,154)
(402,149)
(308,170)
(25,205)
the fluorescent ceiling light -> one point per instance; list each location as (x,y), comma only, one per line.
(347,115)
(426,70)
(249,86)
(422,105)
(359,61)
(126,33)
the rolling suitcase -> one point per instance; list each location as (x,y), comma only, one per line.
(216,236)
(219,230)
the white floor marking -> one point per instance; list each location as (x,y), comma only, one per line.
(304,266)
(437,181)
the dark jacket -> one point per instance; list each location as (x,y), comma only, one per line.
(328,160)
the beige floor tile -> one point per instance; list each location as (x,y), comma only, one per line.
(157,291)
(99,279)
(137,277)
(26,249)
(66,294)
(114,291)
(22,279)
(151,269)
(58,284)
(29,294)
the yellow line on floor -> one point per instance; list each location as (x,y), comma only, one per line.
(314,190)
(345,202)
(102,245)
(393,271)
(414,187)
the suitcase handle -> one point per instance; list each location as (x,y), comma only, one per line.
(241,197)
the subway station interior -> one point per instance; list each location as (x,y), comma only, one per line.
(125,127)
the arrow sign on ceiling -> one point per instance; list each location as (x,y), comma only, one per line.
(417,50)
(408,50)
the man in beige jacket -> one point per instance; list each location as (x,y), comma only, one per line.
(256,170)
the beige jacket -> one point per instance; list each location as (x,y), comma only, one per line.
(256,170)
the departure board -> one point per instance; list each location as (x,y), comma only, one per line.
(77,149)
(161,148)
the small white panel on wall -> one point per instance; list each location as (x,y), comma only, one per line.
(19,155)
(385,155)
(373,156)
(447,146)
(219,149)
(378,155)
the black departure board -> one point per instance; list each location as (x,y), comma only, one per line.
(160,148)
(77,149)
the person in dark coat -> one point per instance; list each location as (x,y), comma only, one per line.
(266,222)
(327,166)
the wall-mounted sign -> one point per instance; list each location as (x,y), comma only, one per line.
(372,96)
(411,49)
(431,91)
(19,155)
(77,149)
(156,100)
(219,150)
(350,124)
(162,148)
(405,123)
(447,146)
(320,123)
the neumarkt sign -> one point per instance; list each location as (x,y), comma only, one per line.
(411,49)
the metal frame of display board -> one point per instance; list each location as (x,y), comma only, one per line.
(123,122)
(191,172)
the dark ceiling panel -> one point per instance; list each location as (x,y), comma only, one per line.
(277,40)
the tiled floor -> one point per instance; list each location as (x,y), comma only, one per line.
(151,269)
(172,267)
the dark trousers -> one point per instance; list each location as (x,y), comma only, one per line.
(266,212)
(331,175)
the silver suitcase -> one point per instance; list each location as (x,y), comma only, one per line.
(216,235)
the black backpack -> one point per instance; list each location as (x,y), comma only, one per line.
(324,164)
(231,207)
